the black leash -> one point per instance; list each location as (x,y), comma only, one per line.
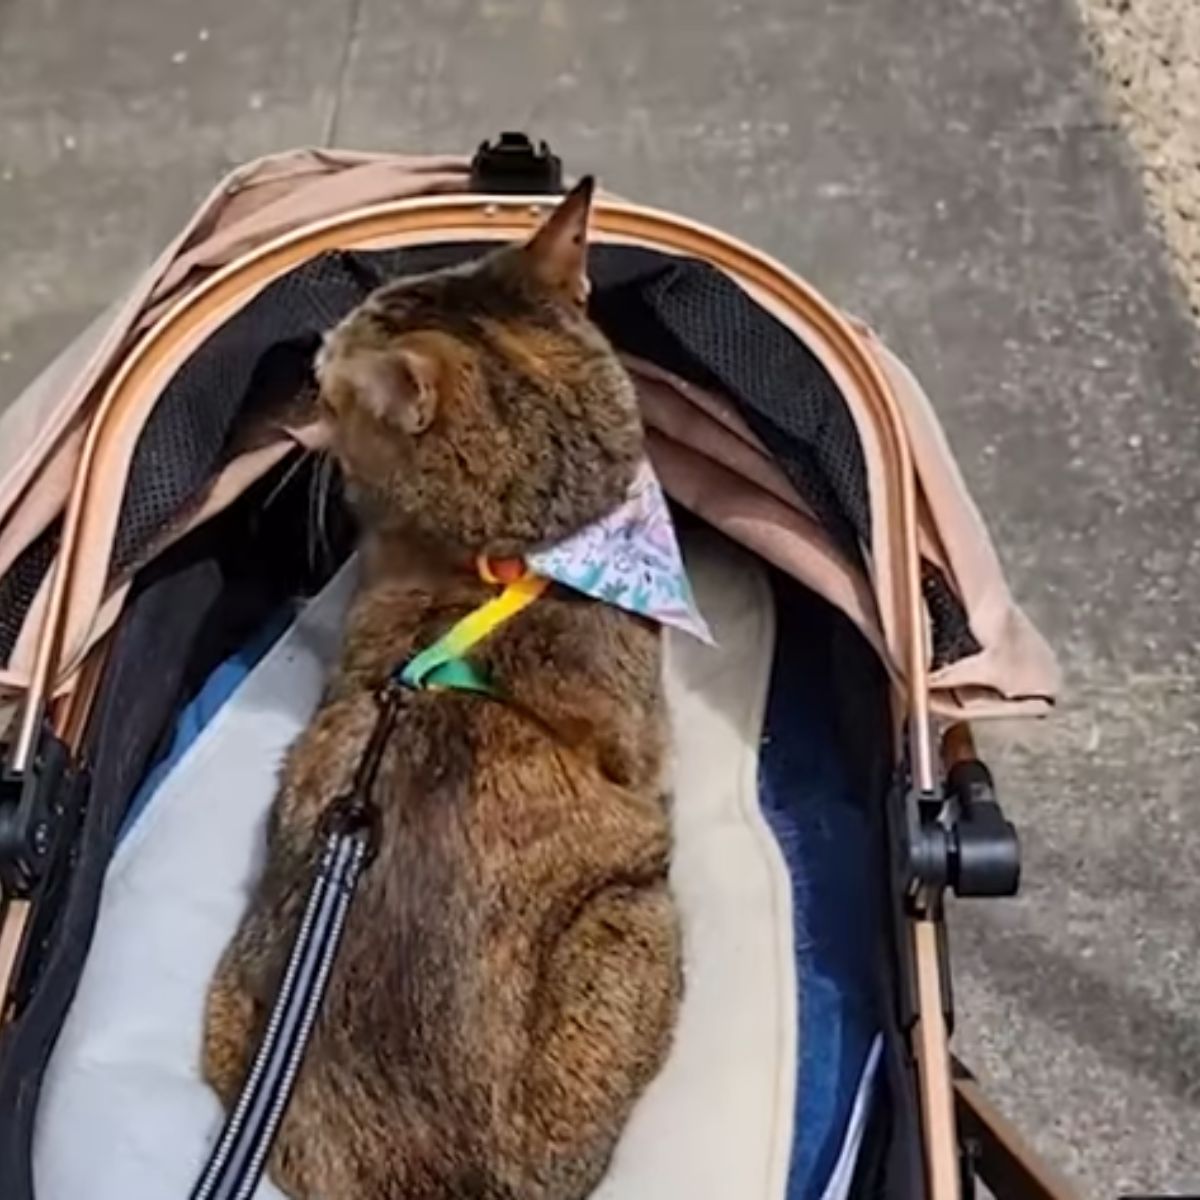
(350,831)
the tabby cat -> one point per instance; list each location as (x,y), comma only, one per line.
(510,973)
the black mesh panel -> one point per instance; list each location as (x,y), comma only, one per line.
(681,313)
(20,584)
(952,636)
(183,442)
(716,334)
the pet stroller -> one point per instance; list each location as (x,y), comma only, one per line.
(168,604)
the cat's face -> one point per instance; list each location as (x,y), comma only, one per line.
(479,406)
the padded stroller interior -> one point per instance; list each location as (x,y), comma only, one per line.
(766,1093)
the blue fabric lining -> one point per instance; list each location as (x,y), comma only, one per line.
(821,827)
(200,710)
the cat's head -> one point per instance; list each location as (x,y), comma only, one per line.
(478,406)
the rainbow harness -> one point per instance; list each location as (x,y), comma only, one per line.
(444,664)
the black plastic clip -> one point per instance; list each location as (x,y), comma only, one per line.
(352,816)
(958,837)
(513,166)
(354,813)
(983,849)
(33,816)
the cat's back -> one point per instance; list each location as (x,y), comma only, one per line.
(510,865)
(498,815)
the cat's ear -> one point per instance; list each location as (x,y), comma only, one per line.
(398,387)
(557,252)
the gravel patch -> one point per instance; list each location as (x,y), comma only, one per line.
(1150,52)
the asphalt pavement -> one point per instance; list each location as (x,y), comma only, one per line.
(946,169)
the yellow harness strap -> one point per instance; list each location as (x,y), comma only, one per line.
(444,664)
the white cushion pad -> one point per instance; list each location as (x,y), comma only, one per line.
(125,1114)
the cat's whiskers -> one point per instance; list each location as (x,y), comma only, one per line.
(300,460)
(321,481)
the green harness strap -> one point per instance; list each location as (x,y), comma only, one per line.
(444,665)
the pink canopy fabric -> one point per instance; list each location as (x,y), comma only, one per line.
(707,458)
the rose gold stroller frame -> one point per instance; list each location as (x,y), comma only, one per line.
(471,218)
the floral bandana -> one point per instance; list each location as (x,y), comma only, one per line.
(629,558)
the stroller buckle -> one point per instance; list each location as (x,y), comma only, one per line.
(958,836)
(513,166)
(32,814)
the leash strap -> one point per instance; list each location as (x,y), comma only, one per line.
(235,1164)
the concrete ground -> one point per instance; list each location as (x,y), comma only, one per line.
(942,167)
(1150,55)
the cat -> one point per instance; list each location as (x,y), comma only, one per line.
(510,975)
